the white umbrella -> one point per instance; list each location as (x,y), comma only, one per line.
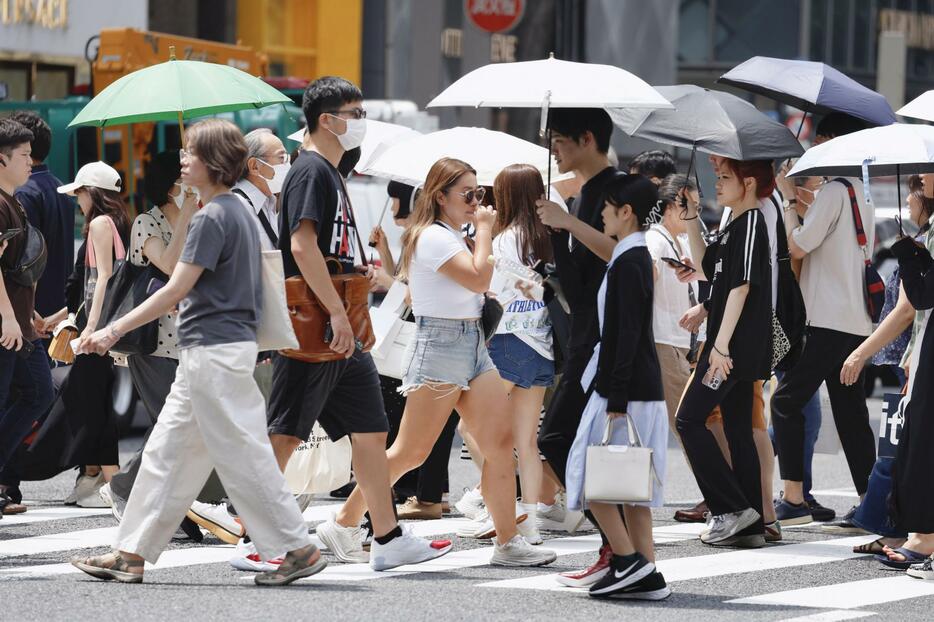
(897,149)
(550,83)
(487,151)
(379,136)
(921,107)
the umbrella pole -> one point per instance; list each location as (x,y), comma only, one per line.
(181,129)
(801,125)
(898,191)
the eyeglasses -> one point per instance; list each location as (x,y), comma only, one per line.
(470,195)
(183,153)
(354,113)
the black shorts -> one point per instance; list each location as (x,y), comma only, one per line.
(344,396)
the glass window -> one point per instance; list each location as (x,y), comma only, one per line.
(819,29)
(694,38)
(746,28)
(841,34)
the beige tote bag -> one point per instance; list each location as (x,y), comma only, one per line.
(275,326)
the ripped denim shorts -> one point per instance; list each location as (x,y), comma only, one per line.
(445,352)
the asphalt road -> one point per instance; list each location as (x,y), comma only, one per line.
(809,576)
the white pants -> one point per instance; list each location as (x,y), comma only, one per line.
(214,418)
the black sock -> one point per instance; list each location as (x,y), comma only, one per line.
(625,560)
(389,537)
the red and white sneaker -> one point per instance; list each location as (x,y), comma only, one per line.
(246,558)
(588,576)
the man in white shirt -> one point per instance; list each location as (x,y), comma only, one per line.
(266,169)
(833,285)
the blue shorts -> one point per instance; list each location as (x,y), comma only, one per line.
(520,363)
(445,352)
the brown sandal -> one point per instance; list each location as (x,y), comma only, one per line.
(111,566)
(304,562)
(876,547)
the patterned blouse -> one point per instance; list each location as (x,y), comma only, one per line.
(154,224)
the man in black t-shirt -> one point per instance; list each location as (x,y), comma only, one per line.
(316,225)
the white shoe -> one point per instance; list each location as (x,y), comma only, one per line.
(406,549)
(471,504)
(218,520)
(528,528)
(483,529)
(551,517)
(518,552)
(246,558)
(346,543)
(85,486)
(93,498)
(116,504)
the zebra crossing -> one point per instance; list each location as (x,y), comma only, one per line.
(834,600)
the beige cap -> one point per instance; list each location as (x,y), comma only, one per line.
(94,175)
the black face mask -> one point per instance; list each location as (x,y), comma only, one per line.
(348,162)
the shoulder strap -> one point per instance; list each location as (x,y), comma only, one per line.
(241,193)
(857,218)
(120,251)
(261,215)
(353,219)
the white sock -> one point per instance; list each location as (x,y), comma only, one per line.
(543,507)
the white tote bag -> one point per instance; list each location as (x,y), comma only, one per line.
(393,334)
(275,326)
(619,473)
(319,465)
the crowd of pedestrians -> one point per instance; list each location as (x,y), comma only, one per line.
(657,326)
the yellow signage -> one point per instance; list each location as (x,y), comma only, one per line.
(50,14)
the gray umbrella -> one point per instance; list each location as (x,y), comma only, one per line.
(712,122)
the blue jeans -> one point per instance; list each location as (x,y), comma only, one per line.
(812,421)
(873,512)
(25,393)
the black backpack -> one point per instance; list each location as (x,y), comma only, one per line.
(31,263)
(790,317)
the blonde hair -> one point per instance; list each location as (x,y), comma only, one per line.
(443,175)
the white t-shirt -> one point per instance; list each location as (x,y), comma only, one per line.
(671,295)
(524,317)
(832,274)
(772,212)
(433,294)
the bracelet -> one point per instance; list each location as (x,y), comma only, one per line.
(115,333)
(717,350)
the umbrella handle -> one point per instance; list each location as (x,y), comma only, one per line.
(382,215)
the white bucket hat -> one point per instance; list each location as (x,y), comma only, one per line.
(94,175)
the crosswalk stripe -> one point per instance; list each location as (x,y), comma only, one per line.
(170,559)
(836,615)
(42,514)
(54,542)
(849,595)
(719,564)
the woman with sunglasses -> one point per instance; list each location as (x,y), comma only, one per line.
(448,365)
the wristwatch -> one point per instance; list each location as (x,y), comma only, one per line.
(787,203)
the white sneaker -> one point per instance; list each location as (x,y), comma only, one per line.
(93,498)
(85,486)
(246,558)
(346,543)
(528,528)
(218,520)
(483,529)
(406,549)
(518,552)
(116,504)
(551,517)
(471,504)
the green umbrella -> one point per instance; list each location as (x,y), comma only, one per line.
(177,90)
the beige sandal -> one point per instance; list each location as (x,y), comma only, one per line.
(112,566)
(305,562)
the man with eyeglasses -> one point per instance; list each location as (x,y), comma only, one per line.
(265,173)
(317,225)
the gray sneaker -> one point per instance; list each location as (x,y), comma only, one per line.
(724,526)
(518,552)
(116,502)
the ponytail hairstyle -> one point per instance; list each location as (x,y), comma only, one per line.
(760,170)
(443,176)
(515,191)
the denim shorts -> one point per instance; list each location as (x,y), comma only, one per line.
(445,352)
(520,363)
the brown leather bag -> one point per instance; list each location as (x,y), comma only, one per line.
(310,319)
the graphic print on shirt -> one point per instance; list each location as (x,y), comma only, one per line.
(342,243)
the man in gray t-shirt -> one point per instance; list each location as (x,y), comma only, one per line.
(224,306)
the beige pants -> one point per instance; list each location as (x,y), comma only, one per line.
(214,417)
(676,371)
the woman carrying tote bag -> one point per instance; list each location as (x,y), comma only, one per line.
(624,381)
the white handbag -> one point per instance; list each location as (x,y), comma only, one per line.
(619,473)
(275,326)
(319,465)
(393,334)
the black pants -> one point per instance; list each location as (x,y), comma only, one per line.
(428,482)
(559,426)
(820,362)
(725,489)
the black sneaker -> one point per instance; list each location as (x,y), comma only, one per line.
(845,525)
(650,587)
(344,491)
(624,571)
(819,512)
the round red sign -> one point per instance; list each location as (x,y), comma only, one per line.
(494,15)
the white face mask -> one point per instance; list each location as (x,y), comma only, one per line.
(353,137)
(278,175)
(180,197)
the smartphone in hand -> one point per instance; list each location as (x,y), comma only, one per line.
(675,263)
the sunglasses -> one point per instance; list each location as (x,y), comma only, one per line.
(470,195)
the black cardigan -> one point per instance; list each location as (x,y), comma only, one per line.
(627,368)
